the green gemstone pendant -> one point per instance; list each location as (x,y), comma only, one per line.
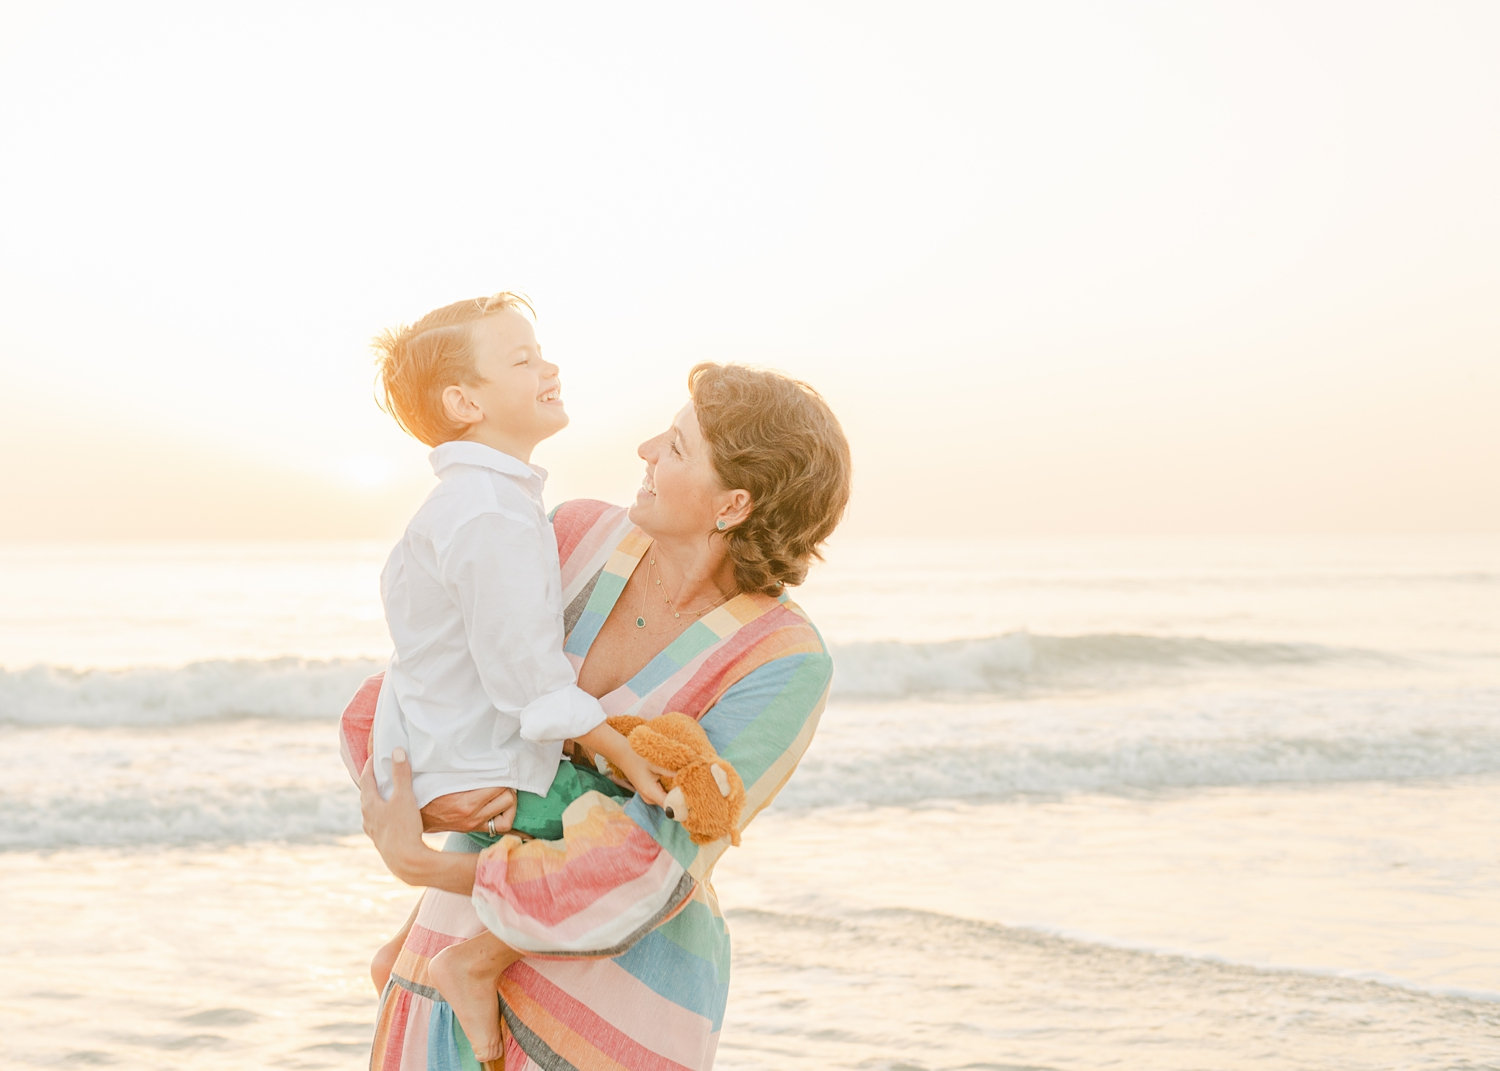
(640,622)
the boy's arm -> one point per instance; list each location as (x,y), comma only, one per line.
(499,571)
(608,741)
(505,579)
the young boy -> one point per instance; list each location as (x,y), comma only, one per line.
(478,691)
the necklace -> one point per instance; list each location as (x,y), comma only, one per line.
(640,620)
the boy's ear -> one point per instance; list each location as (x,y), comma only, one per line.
(459,407)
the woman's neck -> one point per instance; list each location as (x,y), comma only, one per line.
(693,574)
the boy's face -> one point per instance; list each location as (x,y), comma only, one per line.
(520,400)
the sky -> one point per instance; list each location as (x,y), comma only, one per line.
(1062,268)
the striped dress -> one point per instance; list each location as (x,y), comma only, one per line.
(629,954)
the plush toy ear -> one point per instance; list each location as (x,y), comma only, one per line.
(646,742)
(720,778)
(624,724)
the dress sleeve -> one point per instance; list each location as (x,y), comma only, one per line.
(622,868)
(355,725)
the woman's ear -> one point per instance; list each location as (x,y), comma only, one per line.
(459,407)
(733,509)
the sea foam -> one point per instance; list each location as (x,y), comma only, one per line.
(302,689)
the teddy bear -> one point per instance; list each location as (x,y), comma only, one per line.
(704,792)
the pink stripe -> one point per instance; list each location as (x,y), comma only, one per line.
(396,1025)
(768,637)
(619,997)
(620,911)
(356,722)
(588,1028)
(573,521)
(596,544)
(556,893)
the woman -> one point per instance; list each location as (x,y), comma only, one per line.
(676,604)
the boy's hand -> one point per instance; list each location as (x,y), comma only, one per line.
(643,776)
(605,740)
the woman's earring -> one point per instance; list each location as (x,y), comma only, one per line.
(722,526)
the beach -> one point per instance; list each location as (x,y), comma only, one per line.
(1166,803)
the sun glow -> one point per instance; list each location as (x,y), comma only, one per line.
(365,471)
(1075,266)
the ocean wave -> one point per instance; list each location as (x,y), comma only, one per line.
(280,688)
(203,813)
(996,665)
(260,780)
(303,689)
(925,774)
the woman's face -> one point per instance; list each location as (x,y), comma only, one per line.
(681,494)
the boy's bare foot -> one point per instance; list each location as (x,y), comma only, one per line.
(467,982)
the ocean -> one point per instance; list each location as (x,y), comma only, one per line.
(1088,803)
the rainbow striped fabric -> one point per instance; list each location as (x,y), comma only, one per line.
(629,963)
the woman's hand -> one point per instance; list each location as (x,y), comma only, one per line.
(395,827)
(471,811)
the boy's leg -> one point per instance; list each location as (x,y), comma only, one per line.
(468,976)
(385,957)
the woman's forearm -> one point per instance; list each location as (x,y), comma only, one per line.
(450,871)
(394,826)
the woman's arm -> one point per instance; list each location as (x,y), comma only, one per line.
(621,870)
(456,812)
(395,827)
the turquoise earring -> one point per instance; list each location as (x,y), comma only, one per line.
(722,526)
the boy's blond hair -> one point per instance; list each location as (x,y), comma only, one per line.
(419,362)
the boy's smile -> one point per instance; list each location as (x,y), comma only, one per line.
(518,398)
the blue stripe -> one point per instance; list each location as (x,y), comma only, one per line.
(697,639)
(446,1045)
(669,960)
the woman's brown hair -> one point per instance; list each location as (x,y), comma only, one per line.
(776,438)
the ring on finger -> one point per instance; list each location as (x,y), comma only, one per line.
(490,826)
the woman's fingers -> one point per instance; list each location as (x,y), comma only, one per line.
(401,777)
(506,816)
(394,825)
(369,793)
(470,811)
(372,806)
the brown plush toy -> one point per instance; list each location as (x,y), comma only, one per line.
(704,792)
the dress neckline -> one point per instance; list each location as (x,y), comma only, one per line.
(714,627)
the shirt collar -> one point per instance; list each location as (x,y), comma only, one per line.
(452,454)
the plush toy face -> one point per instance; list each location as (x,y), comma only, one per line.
(704,793)
(706,798)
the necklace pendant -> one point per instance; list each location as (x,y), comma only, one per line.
(640,622)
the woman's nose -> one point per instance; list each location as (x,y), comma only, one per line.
(649,449)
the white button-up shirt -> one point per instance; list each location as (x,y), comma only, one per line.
(478,691)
